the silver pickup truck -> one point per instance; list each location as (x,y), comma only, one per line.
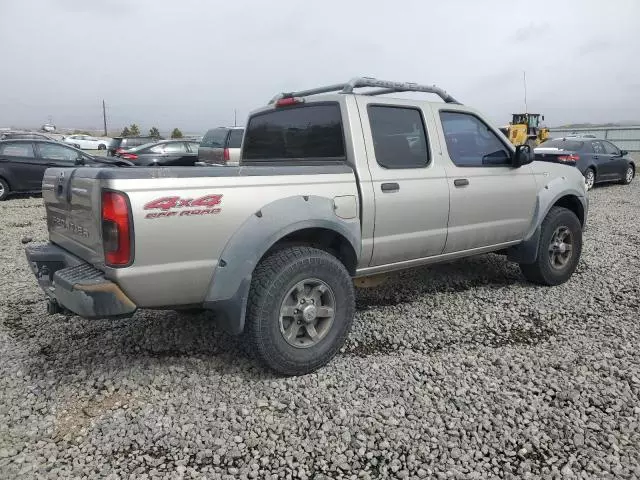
(335,183)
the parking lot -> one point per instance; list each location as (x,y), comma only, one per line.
(455,371)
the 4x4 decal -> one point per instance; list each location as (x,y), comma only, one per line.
(173,206)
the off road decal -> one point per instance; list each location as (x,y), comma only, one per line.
(176,206)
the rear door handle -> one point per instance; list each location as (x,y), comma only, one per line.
(390,187)
(461,182)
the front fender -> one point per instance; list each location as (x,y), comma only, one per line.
(548,196)
(229,288)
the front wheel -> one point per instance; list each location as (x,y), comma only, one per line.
(629,173)
(559,249)
(589,178)
(301,306)
(102,147)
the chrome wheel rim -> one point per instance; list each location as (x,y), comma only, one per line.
(589,179)
(561,248)
(1,189)
(629,174)
(307,313)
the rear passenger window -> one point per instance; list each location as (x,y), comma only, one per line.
(307,133)
(597,147)
(470,141)
(399,137)
(175,147)
(235,138)
(17,150)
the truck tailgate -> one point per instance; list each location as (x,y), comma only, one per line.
(72,203)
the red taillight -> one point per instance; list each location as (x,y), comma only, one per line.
(225,155)
(129,156)
(116,229)
(571,158)
(288,101)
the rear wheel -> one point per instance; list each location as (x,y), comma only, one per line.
(559,249)
(589,178)
(76,145)
(301,306)
(102,147)
(4,189)
(629,173)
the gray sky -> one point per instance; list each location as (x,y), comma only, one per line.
(189,63)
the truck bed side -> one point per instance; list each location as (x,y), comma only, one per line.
(183,218)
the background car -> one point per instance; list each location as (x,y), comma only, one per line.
(598,160)
(87,142)
(23,162)
(26,135)
(121,144)
(164,153)
(221,146)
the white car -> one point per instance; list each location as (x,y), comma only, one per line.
(87,142)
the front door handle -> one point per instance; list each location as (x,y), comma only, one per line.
(390,187)
(596,157)
(461,182)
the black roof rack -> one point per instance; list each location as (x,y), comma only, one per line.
(381,87)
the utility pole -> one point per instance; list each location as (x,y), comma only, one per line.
(104,117)
(524,77)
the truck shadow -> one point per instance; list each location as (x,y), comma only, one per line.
(160,338)
(486,271)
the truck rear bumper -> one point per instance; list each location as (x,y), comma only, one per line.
(77,285)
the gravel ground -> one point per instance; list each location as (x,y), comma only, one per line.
(456,371)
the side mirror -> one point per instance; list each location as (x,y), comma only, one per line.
(80,161)
(522,156)
(623,153)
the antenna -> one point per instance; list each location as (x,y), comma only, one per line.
(235,118)
(524,77)
(104,117)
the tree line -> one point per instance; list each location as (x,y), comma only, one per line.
(133,130)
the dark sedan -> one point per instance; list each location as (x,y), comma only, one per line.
(164,153)
(598,160)
(23,162)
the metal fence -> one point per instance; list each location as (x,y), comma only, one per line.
(625,138)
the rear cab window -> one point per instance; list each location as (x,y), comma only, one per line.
(311,133)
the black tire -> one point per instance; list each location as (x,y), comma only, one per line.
(272,281)
(4,189)
(542,271)
(627,179)
(588,184)
(77,146)
(102,147)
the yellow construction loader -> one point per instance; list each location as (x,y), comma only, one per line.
(525,128)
